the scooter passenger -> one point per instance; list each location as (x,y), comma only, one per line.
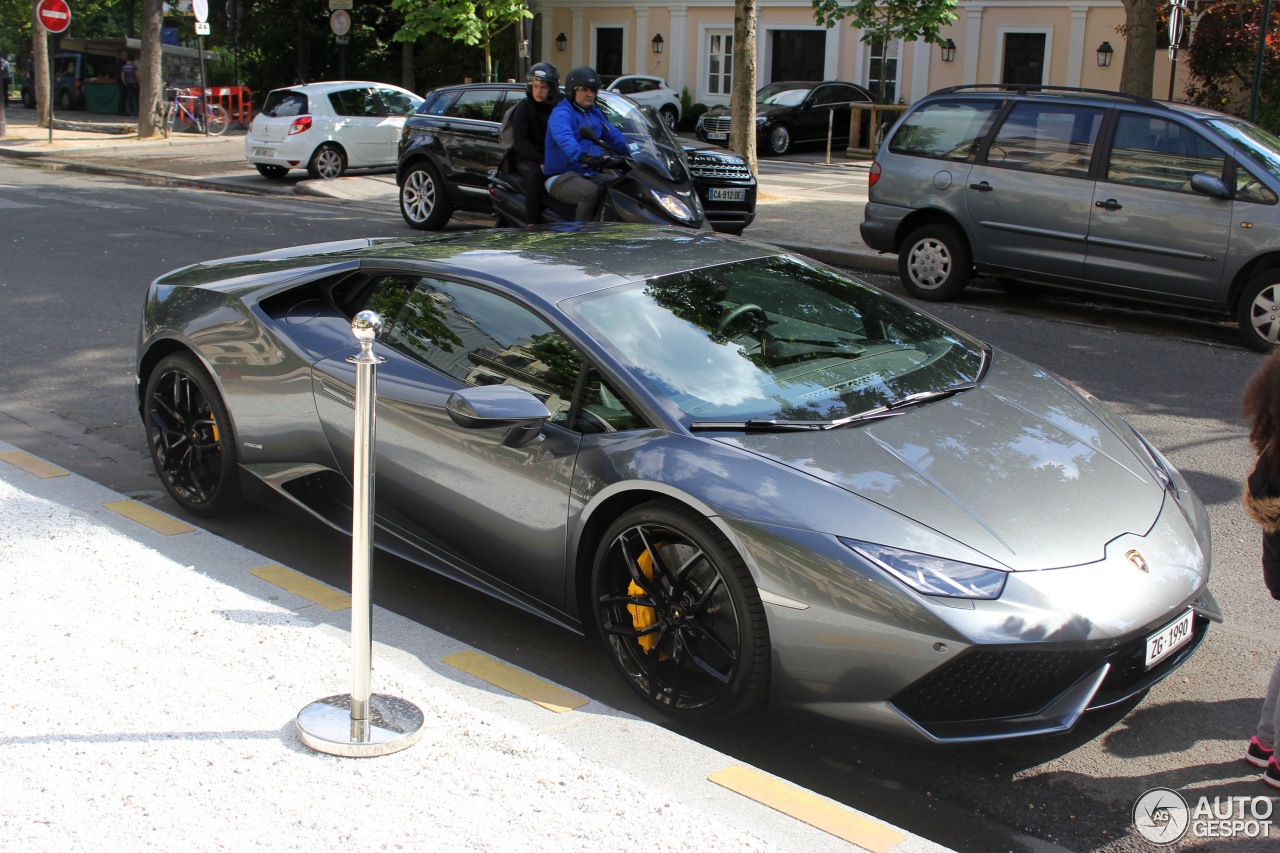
(573,163)
(529,134)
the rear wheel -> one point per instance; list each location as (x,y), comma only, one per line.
(679,613)
(1259,311)
(934,263)
(328,162)
(273,172)
(189,433)
(215,120)
(422,199)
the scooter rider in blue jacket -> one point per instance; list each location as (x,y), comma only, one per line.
(573,163)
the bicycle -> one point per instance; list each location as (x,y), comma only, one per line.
(193,111)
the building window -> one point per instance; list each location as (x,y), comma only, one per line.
(720,63)
(882,67)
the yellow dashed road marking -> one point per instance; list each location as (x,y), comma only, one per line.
(31,464)
(808,807)
(153,518)
(303,586)
(509,678)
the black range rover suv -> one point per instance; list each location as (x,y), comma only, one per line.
(452,143)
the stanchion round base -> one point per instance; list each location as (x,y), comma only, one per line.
(326,726)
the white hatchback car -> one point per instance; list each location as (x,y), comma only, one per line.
(327,128)
(652,92)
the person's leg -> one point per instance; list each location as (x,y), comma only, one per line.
(1270,719)
(533,178)
(572,188)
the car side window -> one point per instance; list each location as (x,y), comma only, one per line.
(1249,188)
(354,102)
(626,87)
(481,338)
(823,96)
(945,130)
(396,103)
(478,104)
(1050,138)
(1149,151)
(436,104)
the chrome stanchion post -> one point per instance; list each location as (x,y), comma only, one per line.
(361,724)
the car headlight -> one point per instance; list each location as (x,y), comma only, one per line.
(761,121)
(672,205)
(933,575)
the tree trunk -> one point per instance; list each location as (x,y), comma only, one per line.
(150,80)
(1137,75)
(40,67)
(742,103)
(407,78)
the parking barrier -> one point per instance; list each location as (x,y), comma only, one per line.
(236,100)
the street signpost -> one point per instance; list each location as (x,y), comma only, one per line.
(340,23)
(1177,12)
(55,17)
(201,10)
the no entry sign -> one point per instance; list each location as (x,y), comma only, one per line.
(54,15)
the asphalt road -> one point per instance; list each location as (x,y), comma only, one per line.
(76,252)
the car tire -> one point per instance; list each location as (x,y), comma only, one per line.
(423,202)
(779,140)
(934,263)
(190,437)
(273,172)
(679,613)
(669,117)
(328,162)
(1259,311)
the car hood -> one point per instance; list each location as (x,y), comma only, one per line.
(761,110)
(1021,469)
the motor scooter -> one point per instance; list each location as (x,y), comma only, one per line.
(648,183)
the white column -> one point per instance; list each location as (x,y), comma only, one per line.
(577,41)
(643,49)
(972,39)
(921,58)
(1075,50)
(677,47)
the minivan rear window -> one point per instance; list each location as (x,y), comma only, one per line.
(946,130)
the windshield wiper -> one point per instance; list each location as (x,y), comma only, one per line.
(759,425)
(889,410)
(921,397)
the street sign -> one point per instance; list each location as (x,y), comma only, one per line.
(342,40)
(202,28)
(342,4)
(340,22)
(54,15)
(1175,25)
(201,8)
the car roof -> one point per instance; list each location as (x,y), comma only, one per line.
(336,85)
(1093,97)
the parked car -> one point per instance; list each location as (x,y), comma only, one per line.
(1151,201)
(652,92)
(449,149)
(790,114)
(69,79)
(328,127)
(749,473)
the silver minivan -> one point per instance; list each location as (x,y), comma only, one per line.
(1086,190)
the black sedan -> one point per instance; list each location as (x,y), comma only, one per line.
(792,113)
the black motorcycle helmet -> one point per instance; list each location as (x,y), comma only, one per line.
(582,77)
(547,73)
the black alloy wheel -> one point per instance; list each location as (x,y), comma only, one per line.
(779,140)
(189,432)
(679,613)
(423,201)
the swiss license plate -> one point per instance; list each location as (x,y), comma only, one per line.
(720,194)
(1163,643)
(720,135)
(263,152)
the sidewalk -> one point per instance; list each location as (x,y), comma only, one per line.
(152,677)
(798,215)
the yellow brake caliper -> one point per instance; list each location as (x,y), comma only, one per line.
(642,617)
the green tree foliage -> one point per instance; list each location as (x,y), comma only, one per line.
(1221,61)
(472,22)
(887,20)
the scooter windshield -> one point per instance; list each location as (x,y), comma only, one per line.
(648,139)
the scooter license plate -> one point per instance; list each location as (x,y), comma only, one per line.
(719,194)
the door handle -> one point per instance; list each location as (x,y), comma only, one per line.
(1109,204)
(983,187)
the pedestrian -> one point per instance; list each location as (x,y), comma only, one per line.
(1261,406)
(6,76)
(122,90)
(129,74)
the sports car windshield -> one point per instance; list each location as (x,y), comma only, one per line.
(776,339)
(649,141)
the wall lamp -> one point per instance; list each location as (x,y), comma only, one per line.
(657,43)
(1104,54)
(561,42)
(948,50)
